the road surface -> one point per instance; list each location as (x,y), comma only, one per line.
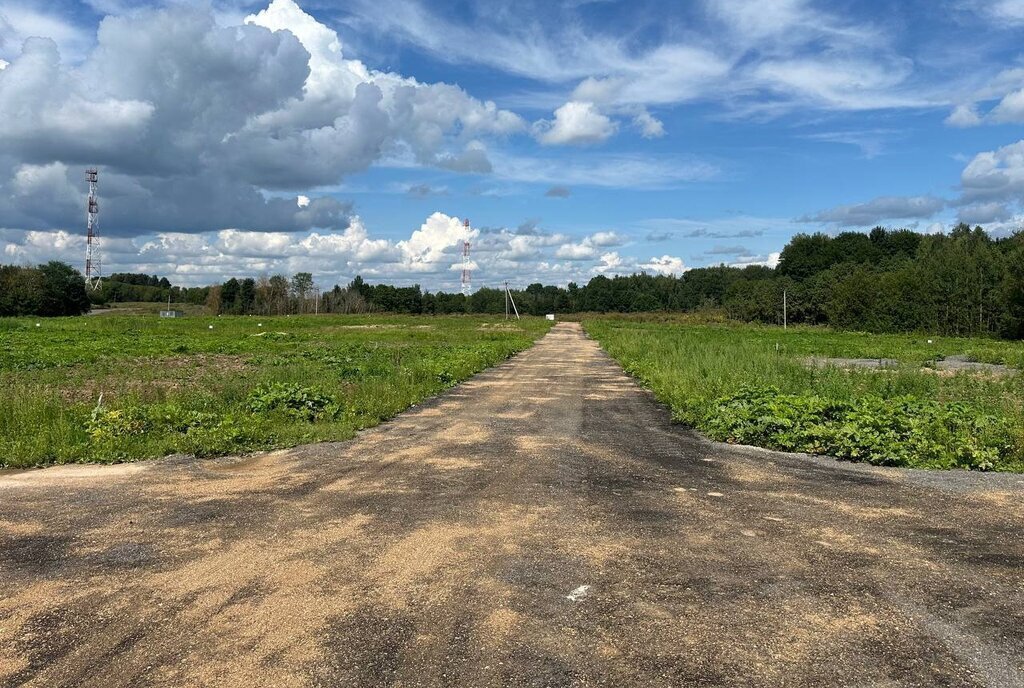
(543,524)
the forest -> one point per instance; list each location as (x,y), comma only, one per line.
(961,283)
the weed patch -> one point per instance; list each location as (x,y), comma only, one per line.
(302,403)
(750,385)
(177,386)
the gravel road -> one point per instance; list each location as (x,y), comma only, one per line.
(543,524)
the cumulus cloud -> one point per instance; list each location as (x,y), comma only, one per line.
(995,175)
(576,123)
(428,247)
(191,122)
(878,210)
(1010,109)
(612,263)
(965,115)
(665,265)
(430,254)
(590,247)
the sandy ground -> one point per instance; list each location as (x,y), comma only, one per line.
(541,525)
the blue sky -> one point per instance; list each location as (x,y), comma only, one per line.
(580,137)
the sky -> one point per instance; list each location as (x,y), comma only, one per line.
(579,137)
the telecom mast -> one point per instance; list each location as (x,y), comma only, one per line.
(92,243)
(466,275)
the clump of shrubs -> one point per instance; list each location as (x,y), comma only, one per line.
(302,403)
(899,431)
(119,434)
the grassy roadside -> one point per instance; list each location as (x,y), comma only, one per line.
(216,385)
(749,384)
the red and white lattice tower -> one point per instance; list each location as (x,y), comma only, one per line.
(466,275)
(92,242)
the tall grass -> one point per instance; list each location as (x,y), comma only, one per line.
(118,388)
(731,381)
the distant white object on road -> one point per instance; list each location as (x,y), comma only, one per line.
(550,316)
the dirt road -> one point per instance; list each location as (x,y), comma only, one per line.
(542,525)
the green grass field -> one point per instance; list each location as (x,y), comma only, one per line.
(213,385)
(750,385)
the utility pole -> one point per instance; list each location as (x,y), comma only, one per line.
(785,311)
(509,299)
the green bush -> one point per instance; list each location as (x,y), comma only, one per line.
(902,431)
(295,400)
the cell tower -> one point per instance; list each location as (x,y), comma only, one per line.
(92,242)
(466,275)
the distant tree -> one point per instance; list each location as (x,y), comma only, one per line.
(302,287)
(20,290)
(806,255)
(229,292)
(247,296)
(62,290)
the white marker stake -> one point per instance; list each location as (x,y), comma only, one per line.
(578,594)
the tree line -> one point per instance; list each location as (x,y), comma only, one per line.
(961,283)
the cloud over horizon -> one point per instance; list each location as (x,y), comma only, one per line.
(239,139)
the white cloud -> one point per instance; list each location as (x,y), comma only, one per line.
(611,263)
(1004,87)
(665,265)
(995,175)
(431,255)
(763,57)
(1010,109)
(609,238)
(576,252)
(576,123)
(302,201)
(650,127)
(428,247)
(964,115)
(590,247)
